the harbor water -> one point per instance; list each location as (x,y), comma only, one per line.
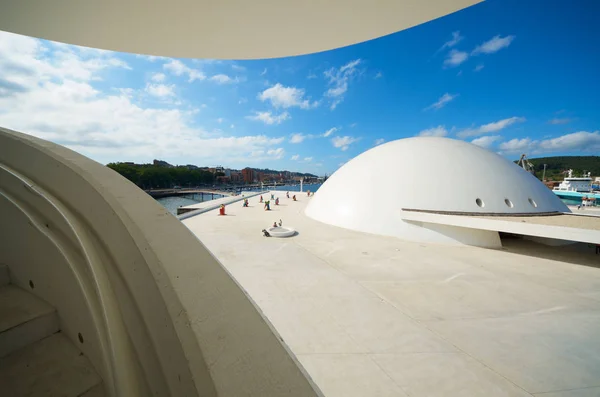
(174,202)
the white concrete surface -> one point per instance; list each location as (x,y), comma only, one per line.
(370,315)
(158,313)
(232,29)
(4,276)
(431,174)
(568,227)
(50,367)
(24,319)
(212,204)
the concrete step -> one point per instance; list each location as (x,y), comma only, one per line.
(4,277)
(52,366)
(24,319)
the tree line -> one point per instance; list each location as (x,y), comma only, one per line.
(556,165)
(149,176)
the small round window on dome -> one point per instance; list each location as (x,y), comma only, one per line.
(508,203)
(532,202)
(480,202)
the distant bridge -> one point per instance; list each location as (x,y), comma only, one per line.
(225,190)
(158,193)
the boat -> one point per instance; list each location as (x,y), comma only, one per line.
(577,187)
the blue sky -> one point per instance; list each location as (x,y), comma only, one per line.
(515,77)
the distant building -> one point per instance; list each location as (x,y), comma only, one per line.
(248,175)
(236,176)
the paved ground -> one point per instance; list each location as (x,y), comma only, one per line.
(211,204)
(565,220)
(595,211)
(377,316)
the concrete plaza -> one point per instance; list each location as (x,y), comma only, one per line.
(367,315)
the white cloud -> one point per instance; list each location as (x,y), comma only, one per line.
(237,67)
(456,38)
(24,61)
(158,77)
(343,142)
(495,44)
(560,121)
(269,118)
(297,138)
(311,76)
(178,68)
(329,132)
(500,125)
(308,159)
(220,120)
(232,126)
(223,79)
(582,141)
(490,127)
(516,145)
(160,90)
(60,104)
(455,58)
(338,80)
(242,101)
(379,141)
(150,58)
(478,67)
(444,99)
(577,141)
(486,141)
(286,97)
(295,157)
(440,130)
(378,75)
(264,72)
(276,153)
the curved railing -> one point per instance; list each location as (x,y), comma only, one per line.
(154,311)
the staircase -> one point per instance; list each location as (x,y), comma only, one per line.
(36,359)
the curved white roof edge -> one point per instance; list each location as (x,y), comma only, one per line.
(226,29)
(371,192)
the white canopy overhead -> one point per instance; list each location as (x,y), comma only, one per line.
(219,29)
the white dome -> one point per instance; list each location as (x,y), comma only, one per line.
(437,174)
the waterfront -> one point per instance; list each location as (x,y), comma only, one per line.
(174,202)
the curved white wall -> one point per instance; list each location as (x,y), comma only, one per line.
(158,313)
(225,29)
(434,174)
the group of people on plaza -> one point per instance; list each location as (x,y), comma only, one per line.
(267,203)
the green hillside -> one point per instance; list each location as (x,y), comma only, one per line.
(555,165)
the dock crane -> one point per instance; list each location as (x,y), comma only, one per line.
(526,165)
